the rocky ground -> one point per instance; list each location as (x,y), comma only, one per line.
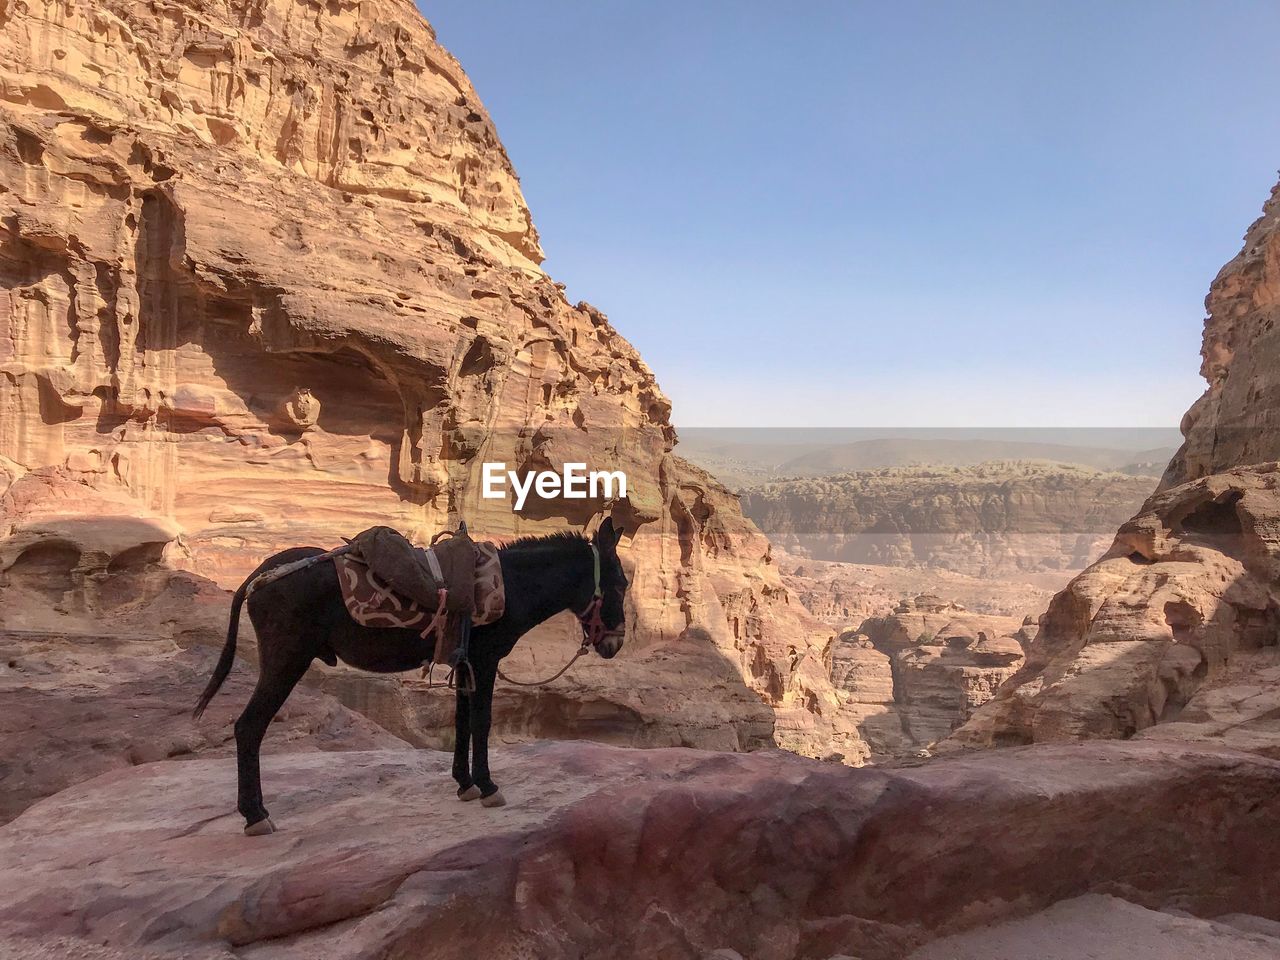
(1108,928)
(78,706)
(608,852)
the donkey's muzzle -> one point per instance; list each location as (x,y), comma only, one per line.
(609,645)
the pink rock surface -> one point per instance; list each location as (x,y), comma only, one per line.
(78,706)
(607,852)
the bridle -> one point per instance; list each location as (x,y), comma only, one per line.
(593,629)
(591,618)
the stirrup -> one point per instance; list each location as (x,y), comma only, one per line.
(467,686)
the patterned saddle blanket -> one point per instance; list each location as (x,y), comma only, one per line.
(372,602)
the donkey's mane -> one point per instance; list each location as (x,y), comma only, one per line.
(557,539)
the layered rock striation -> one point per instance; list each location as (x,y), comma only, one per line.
(267,278)
(990,520)
(631,854)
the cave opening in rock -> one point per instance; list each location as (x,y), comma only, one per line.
(134,574)
(46,568)
(1214,523)
(143,555)
(1183,619)
(478,360)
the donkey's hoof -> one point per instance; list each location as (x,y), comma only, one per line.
(260,829)
(495,799)
(470,793)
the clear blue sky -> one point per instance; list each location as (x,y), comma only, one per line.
(895,213)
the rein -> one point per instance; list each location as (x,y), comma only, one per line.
(593,629)
(582,650)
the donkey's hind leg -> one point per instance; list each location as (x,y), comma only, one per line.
(276,681)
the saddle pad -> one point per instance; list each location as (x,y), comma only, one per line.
(490,594)
(372,603)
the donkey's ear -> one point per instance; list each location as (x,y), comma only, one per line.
(607,536)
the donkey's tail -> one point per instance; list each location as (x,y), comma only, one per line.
(268,571)
(228,650)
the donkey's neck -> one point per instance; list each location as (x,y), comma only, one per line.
(542,580)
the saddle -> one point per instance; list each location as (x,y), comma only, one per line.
(443,590)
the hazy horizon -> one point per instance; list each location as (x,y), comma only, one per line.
(911,215)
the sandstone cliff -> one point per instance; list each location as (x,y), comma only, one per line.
(267,278)
(990,520)
(1236,422)
(1178,623)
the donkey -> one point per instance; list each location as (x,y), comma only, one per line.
(300,617)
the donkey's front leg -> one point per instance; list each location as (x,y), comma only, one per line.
(482,706)
(467,789)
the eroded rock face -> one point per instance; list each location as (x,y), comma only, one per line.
(930,664)
(631,854)
(1186,589)
(1169,626)
(283,246)
(1237,420)
(267,278)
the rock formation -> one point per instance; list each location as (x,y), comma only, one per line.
(991,520)
(1235,422)
(614,853)
(844,594)
(267,278)
(1177,624)
(74,710)
(929,665)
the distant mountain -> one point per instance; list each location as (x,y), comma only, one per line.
(743,457)
(990,519)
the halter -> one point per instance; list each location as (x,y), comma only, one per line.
(593,628)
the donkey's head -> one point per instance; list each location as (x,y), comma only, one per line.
(613,592)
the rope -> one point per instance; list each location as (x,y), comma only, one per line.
(555,676)
(275,573)
(592,629)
